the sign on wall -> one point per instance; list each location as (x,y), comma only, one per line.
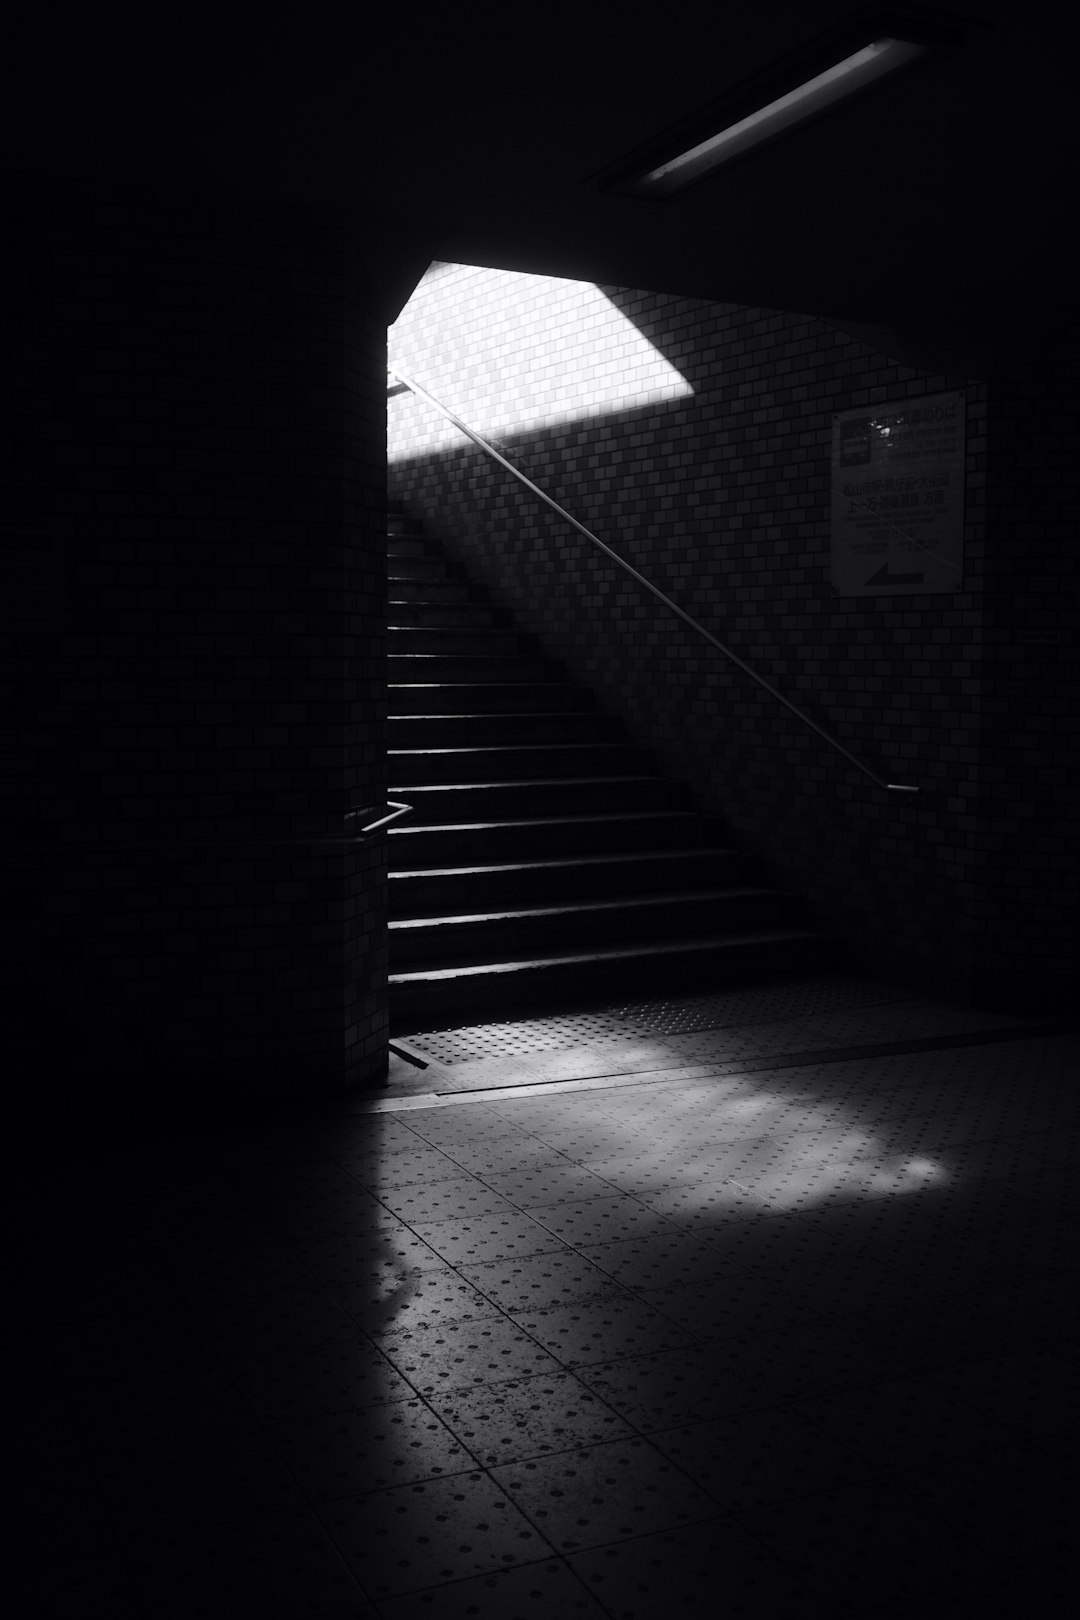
(898,497)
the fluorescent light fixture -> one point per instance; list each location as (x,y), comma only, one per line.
(853,73)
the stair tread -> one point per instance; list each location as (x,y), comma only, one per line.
(468,671)
(486,716)
(518,782)
(510,867)
(418,653)
(588,746)
(476,686)
(462,686)
(610,954)
(571,908)
(545,821)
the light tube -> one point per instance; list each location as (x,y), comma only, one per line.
(873,62)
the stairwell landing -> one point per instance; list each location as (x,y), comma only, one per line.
(546,862)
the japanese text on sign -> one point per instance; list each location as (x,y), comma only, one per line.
(898,497)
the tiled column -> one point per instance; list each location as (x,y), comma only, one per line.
(1027,907)
(195,639)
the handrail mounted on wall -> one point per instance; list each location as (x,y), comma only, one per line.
(489,449)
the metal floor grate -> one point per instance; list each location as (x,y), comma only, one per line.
(666,1015)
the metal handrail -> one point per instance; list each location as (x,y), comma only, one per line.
(396,812)
(879,781)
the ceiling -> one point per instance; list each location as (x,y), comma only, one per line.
(928,212)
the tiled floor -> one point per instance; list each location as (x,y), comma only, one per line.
(741,1328)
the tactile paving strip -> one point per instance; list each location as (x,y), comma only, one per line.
(557,1051)
(667,1015)
(516,1038)
(757,1004)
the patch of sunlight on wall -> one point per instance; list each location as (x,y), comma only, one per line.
(512,353)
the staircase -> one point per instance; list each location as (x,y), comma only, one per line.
(546,864)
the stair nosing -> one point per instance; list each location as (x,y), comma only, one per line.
(510,748)
(574,908)
(518,715)
(509,867)
(520,782)
(620,953)
(485,686)
(416,659)
(544,821)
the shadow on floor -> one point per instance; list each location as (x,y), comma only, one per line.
(785,1329)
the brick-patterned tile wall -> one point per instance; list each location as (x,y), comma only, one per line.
(722,498)
(195,403)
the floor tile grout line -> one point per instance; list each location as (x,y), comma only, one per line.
(950,1358)
(645,1435)
(463,1580)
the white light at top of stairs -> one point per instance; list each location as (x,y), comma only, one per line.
(511,353)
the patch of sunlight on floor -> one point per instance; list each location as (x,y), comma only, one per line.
(747,1147)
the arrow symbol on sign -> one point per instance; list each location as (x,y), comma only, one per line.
(883,577)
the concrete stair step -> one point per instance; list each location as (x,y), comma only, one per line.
(489,643)
(432,590)
(421,847)
(454,890)
(491,936)
(478,668)
(545,863)
(426,999)
(517,763)
(425,567)
(411,545)
(437,731)
(458,803)
(442,616)
(410,697)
